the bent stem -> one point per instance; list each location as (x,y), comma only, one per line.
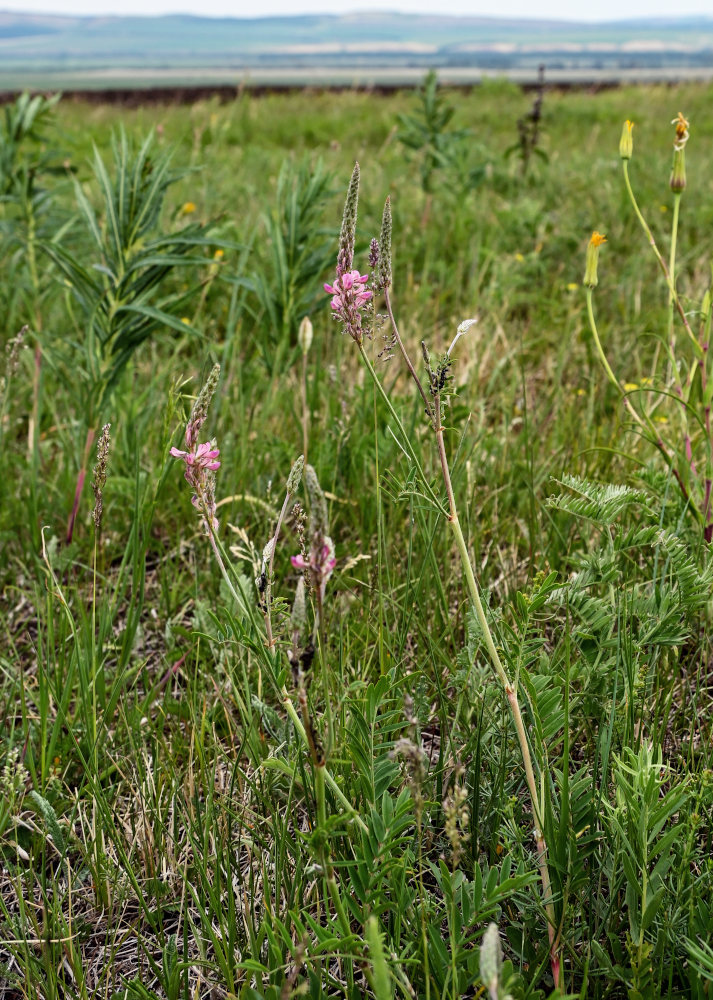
(645,423)
(219,552)
(434,409)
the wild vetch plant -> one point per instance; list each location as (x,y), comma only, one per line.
(670,407)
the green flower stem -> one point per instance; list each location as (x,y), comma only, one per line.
(501,673)
(405,442)
(645,422)
(284,694)
(659,258)
(407,359)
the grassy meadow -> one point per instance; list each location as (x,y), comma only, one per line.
(219,781)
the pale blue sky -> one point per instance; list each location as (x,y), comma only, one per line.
(594,10)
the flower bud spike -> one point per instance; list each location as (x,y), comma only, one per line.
(347,236)
(383,272)
(318,504)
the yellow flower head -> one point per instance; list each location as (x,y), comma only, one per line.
(626,143)
(187,208)
(597,239)
(630,386)
(219,254)
(681,124)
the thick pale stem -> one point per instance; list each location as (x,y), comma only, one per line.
(268,585)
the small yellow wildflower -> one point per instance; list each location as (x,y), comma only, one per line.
(663,208)
(187,208)
(661,420)
(519,258)
(572,286)
(219,254)
(646,380)
(581,392)
(631,386)
(186,320)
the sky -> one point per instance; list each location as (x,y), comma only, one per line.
(584,10)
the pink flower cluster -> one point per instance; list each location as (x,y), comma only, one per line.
(348,297)
(320,564)
(201,463)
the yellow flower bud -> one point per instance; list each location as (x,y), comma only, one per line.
(626,143)
(590,271)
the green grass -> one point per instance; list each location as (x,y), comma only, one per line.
(163,830)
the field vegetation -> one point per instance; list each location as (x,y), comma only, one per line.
(414,699)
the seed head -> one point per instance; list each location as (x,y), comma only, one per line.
(295,477)
(99,481)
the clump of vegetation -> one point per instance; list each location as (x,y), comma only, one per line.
(381,666)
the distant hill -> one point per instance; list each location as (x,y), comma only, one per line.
(32,44)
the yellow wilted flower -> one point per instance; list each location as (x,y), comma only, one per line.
(682,134)
(590,271)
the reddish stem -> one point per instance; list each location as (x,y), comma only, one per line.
(91,433)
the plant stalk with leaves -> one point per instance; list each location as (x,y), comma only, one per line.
(348,305)
(687,381)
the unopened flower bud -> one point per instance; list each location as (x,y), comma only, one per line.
(299,608)
(317,502)
(491,960)
(305,334)
(626,143)
(677,183)
(590,271)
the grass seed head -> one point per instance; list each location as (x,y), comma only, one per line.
(99,480)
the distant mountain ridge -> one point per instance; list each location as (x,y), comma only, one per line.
(54,43)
